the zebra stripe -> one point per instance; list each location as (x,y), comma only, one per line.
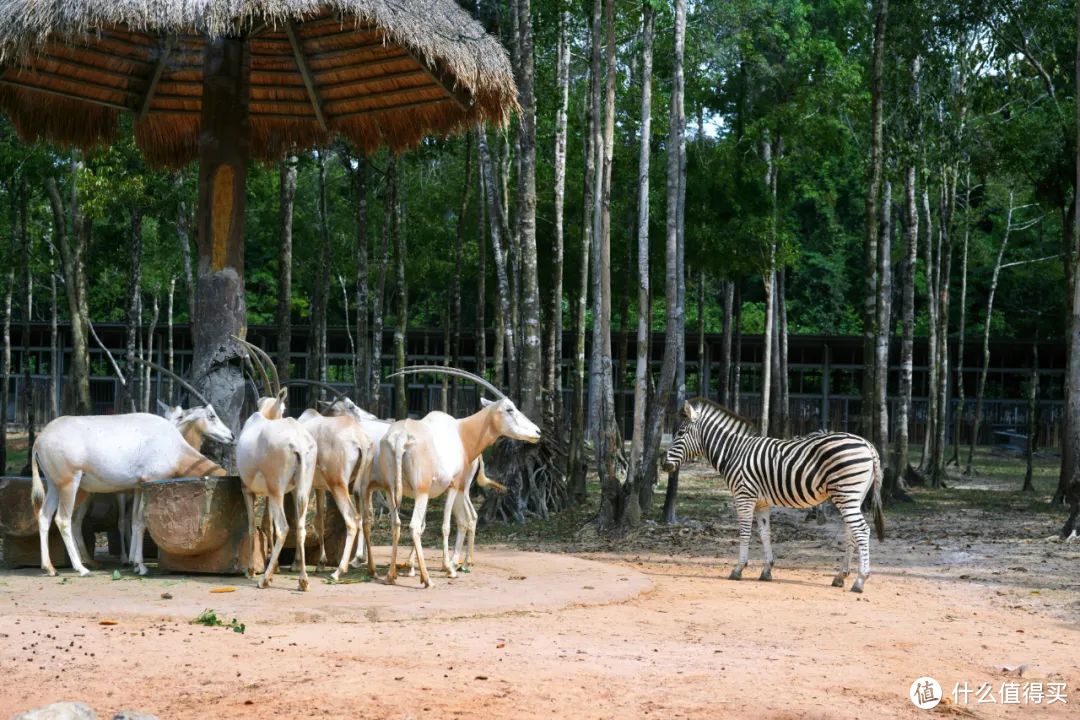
(798,473)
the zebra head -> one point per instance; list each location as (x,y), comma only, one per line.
(686,445)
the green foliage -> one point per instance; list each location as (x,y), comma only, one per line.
(209,618)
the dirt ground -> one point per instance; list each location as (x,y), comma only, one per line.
(964,590)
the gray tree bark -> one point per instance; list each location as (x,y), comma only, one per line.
(286,198)
(894,481)
(554,346)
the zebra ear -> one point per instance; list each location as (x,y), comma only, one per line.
(689,411)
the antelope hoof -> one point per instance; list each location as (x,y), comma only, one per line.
(356,563)
(391,578)
(84,573)
(141,569)
(838,581)
(426,582)
(264,582)
(736,574)
(50,571)
(856,587)
(766,574)
(336,575)
(303,584)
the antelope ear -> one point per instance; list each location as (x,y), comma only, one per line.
(484,402)
(282,394)
(689,411)
(163,408)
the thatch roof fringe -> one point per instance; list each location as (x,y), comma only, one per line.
(118,39)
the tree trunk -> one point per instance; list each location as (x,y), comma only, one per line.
(54,342)
(736,361)
(958,419)
(672,491)
(883,325)
(481,278)
(770,288)
(894,480)
(1032,418)
(703,357)
(401,310)
(498,225)
(724,393)
(362,361)
(554,345)
(608,449)
(985,370)
(640,479)
(220,308)
(454,355)
(27,250)
(782,347)
(321,300)
(130,390)
(286,200)
(531,388)
(577,461)
(1072,374)
(931,273)
(5,360)
(668,369)
(378,301)
(183,236)
(73,232)
(875,172)
(948,197)
(150,330)
(169,341)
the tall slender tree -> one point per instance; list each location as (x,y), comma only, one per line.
(286,197)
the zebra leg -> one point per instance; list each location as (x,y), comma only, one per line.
(761,514)
(845,569)
(851,510)
(745,510)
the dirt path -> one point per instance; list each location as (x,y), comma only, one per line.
(673,639)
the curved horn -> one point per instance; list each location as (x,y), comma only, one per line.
(255,362)
(266,362)
(416,369)
(188,386)
(326,386)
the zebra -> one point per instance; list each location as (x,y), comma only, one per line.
(798,473)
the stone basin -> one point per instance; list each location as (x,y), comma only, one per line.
(199,525)
(19,527)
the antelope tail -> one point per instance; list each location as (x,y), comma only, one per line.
(37,489)
(879,516)
(362,469)
(484,481)
(400,440)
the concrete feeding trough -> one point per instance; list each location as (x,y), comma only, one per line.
(200,525)
(20,529)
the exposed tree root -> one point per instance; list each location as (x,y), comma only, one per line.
(535,480)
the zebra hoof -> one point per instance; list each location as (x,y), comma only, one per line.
(736,574)
(766,575)
(856,587)
(838,581)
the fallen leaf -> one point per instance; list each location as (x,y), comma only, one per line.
(166,596)
(516,577)
(223,589)
(108,622)
(481,677)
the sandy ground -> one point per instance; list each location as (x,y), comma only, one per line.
(529,635)
(646,625)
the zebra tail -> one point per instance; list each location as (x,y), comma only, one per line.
(879,516)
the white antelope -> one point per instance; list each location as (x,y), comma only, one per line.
(344,458)
(108,454)
(195,424)
(425,458)
(275,455)
(465,515)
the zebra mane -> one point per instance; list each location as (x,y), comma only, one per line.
(751,426)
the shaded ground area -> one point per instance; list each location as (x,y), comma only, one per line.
(964,590)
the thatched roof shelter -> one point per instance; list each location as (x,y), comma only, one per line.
(377,72)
